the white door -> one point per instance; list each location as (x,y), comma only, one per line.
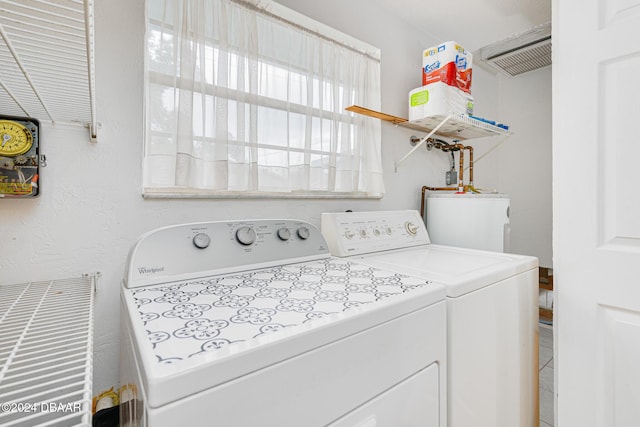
(596,220)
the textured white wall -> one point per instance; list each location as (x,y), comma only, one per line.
(91,210)
(521,166)
(525,161)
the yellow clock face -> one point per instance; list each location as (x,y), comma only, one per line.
(15,139)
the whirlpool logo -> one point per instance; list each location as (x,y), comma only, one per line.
(150,270)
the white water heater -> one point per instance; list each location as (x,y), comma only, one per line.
(476,221)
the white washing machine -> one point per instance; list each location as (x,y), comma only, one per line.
(492,311)
(253,323)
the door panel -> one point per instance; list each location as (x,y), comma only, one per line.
(618,374)
(619,151)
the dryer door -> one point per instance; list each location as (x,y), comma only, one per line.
(414,402)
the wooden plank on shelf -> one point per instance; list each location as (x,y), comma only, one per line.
(546,286)
(377,114)
(400,121)
(545,313)
(545,281)
(545,278)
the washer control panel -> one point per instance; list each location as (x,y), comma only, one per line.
(354,233)
(194,250)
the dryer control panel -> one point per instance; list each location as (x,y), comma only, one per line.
(186,251)
(355,233)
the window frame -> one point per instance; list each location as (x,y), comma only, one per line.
(260,101)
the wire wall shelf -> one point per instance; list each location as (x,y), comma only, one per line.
(454,126)
(46,350)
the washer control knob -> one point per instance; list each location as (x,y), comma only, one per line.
(284,233)
(303,233)
(349,234)
(363,233)
(201,240)
(388,230)
(411,228)
(246,235)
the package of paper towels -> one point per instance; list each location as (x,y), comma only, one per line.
(438,99)
(449,63)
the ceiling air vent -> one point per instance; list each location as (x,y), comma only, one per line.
(521,53)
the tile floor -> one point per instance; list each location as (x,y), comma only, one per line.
(546,375)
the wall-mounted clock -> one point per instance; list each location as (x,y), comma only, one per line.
(16,138)
(20,158)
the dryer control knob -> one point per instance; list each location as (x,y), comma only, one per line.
(246,235)
(412,229)
(303,233)
(201,240)
(284,233)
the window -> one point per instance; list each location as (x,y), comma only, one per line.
(247,98)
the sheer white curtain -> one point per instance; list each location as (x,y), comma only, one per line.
(241,100)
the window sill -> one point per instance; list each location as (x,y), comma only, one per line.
(191,193)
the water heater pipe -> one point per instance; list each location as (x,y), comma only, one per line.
(470,148)
(461,187)
(461,147)
(424,191)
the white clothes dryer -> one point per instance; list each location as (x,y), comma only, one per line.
(253,323)
(492,311)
